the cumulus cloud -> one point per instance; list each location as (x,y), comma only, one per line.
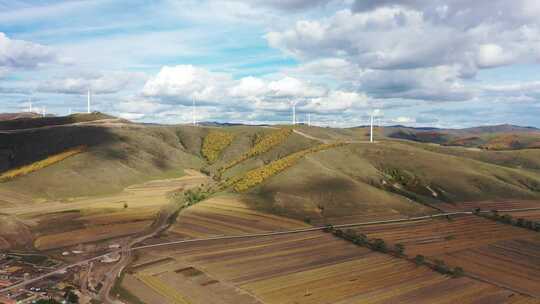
(394,37)
(413,49)
(176,85)
(187,82)
(20,54)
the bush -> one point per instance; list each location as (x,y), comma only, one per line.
(458,272)
(400,249)
(214,143)
(257,176)
(419,259)
(379,245)
(263,145)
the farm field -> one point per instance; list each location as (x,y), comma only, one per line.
(495,252)
(59,224)
(491,205)
(312,267)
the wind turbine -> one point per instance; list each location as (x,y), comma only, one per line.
(293,104)
(30,104)
(373,114)
(43,111)
(89,101)
(309,119)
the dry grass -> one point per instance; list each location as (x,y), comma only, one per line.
(162,288)
(263,145)
(214,143)
(49,161)
(259,175)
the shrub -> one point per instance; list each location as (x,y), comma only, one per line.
(400,249)
(419,259)
(458,272)
(257,176)
(379,245)
(263,145)
(441,267)
(214,143)
(51,160)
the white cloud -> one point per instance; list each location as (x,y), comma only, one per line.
(16,54)
(186,82)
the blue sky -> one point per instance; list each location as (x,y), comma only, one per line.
(439,63)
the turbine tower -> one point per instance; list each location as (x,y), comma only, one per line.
(371,129)
(89,101)
(293,104)
(30,106)
(309,119)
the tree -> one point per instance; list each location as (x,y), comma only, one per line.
(441,267)
(458,272)
(379,245)
(125,205)
(419,259)
(400,249)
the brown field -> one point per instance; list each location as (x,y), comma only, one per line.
(490,205)
(533,215)
(495,252)
(312,267)
(87,235)
(227,216)
(57,224)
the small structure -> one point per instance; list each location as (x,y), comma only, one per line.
(110,258)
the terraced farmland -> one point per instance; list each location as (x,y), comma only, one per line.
(495,252)
(313,267)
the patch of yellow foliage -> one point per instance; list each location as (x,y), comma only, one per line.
(214,143)
(263,145)
(51,160)
(257,176)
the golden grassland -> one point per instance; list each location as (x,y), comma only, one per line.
(263,145)
(49,161)
(214,143)
(313,267)
(257,176)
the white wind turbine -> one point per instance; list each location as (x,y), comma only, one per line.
(293,105)
(89,101)
(373,114)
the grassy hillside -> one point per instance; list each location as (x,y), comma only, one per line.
(28,122)
(115,157)
(389,179)
(503,137)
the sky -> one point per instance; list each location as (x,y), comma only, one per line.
(441,63)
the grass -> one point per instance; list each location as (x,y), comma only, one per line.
(162,288)
(262,145)
(214,143)
(49,161)
(257,176)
